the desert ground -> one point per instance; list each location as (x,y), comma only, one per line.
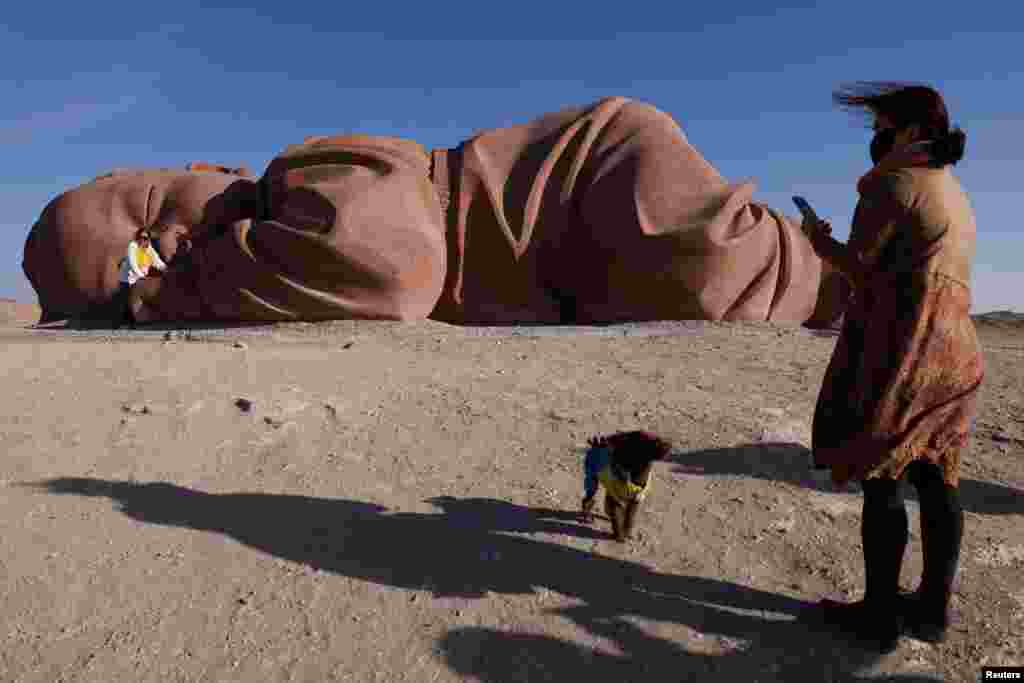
(372,501)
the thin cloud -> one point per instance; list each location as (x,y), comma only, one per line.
(60,124)
(55,110)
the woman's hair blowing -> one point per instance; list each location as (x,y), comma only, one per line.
(907,104)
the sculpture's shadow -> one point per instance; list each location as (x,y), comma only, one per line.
(473,547)
(99,324)
(790,462)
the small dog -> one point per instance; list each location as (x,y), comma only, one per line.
(621,462)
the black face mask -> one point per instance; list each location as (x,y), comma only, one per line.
(882,144)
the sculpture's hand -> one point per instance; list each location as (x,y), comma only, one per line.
(173,295)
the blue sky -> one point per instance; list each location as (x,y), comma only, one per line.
(93,86)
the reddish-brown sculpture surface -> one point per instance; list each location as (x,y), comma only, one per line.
(72,251)
(597,214)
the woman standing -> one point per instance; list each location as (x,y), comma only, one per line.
(900,390)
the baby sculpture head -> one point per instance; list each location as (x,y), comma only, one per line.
(72,252)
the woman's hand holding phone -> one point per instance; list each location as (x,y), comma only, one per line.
(811,221)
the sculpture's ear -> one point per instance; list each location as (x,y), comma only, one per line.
(111,174)
(242,171)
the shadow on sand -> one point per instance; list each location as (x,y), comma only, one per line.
(472,547)
(100,324)
(789,462)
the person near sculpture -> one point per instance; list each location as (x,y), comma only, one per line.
(134,266)
(593,214)
(901,387)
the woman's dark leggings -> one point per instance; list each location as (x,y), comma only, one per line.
(884,534)
(122,305)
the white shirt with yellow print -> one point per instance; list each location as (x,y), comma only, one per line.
(136,264)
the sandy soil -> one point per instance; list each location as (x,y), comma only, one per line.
(19,314)
(397,502)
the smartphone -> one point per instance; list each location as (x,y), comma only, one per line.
(805,209)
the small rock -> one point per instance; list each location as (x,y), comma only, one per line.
(731,644)
(136,409)
(347,345)
(168,336)
(782,526)
(292,406)
(239,345)
(283,425)
(918,646)
(244,404)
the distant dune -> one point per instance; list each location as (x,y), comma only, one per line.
(1008,320)
(1010,316)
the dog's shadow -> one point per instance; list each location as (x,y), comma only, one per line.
(790,462)
(473,547)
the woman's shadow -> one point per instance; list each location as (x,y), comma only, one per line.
(473,547)
(790,462)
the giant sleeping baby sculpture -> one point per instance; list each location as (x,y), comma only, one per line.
(595,214)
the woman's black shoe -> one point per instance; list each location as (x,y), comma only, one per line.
(869,624)
(923,622)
